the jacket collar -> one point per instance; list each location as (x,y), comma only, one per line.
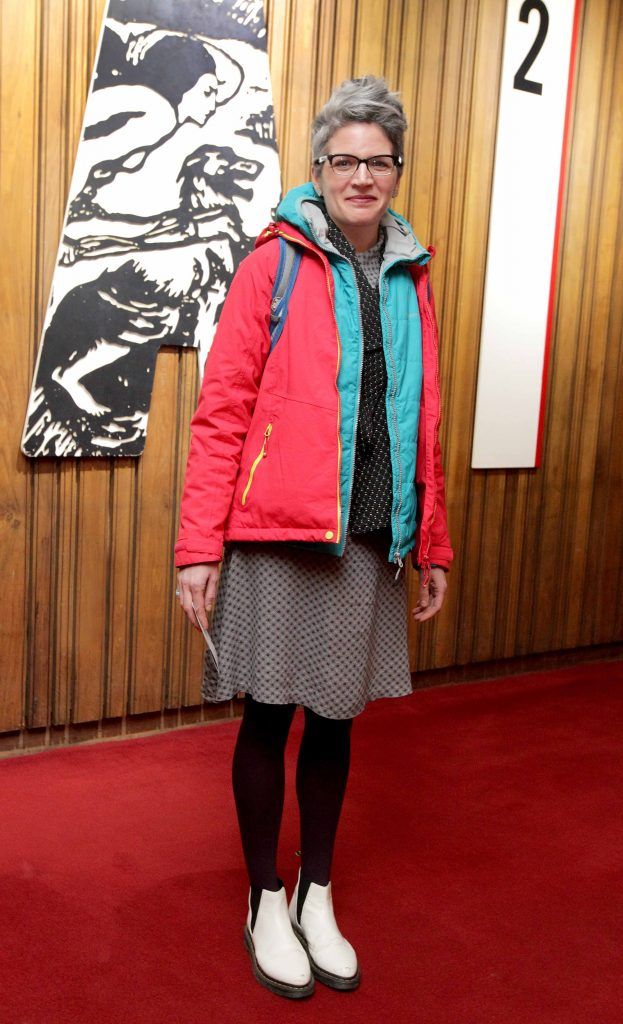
(301,208)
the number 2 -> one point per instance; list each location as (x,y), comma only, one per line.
(520,81)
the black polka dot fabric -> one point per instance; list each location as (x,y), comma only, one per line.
(371,500)
(304,627)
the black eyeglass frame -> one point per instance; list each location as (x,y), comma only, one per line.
(397,161)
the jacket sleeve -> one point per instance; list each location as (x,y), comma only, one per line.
(440,550)
(231,380)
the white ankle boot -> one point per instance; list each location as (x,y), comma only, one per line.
(280,962)
(333,959)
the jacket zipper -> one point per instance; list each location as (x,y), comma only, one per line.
(297,241)
(256,462)
(361,357)
(397,559)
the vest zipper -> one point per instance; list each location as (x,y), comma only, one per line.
(392,398)
(256,462)
(356,418)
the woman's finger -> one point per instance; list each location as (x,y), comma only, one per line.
(184,596)
(210,592)
(197,607)
(437,593)
(423,597)
(188,609)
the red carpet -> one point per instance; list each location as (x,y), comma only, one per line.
(478,870)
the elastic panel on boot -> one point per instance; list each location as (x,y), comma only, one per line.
(256,895)
(304,884)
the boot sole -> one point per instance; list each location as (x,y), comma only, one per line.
(331,980)
(280,988)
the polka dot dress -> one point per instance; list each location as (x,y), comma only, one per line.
(293,626)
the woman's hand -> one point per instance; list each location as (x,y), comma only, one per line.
(197,585)
(431,596)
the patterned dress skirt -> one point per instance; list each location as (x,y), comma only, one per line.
(293,625)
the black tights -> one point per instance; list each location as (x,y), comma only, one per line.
(258,775)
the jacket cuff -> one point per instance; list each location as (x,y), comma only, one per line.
(438,562)
(192,555)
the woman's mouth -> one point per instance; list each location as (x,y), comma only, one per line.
(361,200)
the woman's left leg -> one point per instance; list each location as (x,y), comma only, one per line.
(321,777)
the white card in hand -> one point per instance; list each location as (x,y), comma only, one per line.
(207,638)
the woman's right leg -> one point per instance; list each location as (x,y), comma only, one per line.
(258,776)
(279,961)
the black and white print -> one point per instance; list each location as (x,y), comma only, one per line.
(177,171)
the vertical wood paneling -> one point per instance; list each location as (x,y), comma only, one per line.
(91,581)
(19,44)
(600,238)
(49,214)
(346,14)
(92,630)
(90,570)
(370,36)
(571,403)
(155,575)
(121,559)
(461,301)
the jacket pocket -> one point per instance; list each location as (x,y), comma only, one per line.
(262,455)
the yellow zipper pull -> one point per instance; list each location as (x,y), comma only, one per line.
(256,463)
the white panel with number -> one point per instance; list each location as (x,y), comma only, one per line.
(537,60)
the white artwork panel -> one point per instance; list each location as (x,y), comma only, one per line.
(527,182)
(176,174)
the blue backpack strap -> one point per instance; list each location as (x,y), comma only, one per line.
(287,269)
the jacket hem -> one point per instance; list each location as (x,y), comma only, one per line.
(254,533)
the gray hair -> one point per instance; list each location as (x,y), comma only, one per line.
(365,99)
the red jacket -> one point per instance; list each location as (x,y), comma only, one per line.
(264,458)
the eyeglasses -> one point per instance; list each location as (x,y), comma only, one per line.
(346,165)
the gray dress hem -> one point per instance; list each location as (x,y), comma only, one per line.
(304,701)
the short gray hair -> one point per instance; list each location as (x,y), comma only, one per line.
(365,99)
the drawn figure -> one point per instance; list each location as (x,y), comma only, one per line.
(147,84)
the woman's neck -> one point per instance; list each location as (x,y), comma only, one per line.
(361,238)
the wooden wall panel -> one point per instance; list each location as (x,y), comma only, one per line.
(91,632)
(19,100)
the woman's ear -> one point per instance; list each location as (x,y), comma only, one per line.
(316,179)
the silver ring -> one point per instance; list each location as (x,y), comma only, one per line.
(177,593)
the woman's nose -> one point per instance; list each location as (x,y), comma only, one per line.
(362,175)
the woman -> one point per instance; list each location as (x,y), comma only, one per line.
(319,463)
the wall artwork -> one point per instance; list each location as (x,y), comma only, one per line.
(176,174)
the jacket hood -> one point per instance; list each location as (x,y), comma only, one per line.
(302,208)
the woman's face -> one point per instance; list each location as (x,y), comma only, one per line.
(361,200)
(199,102)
